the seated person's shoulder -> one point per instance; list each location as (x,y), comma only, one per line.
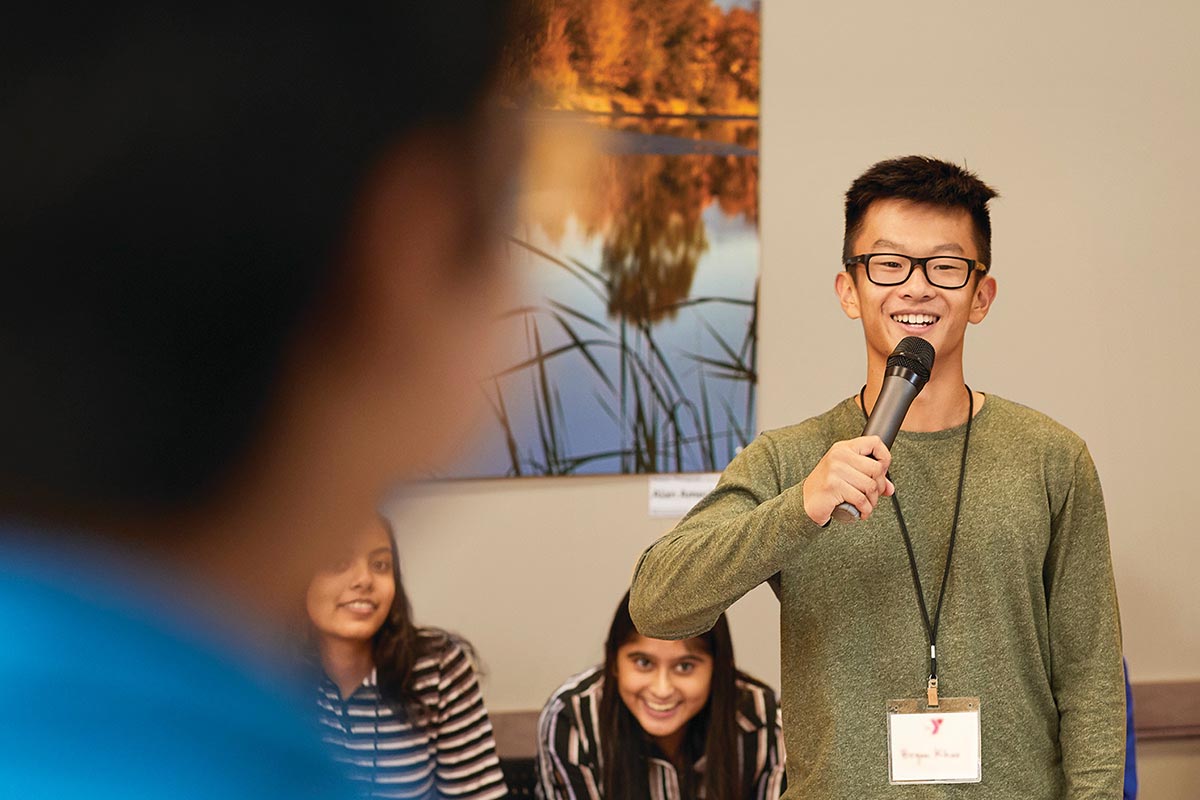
(572,704)
(586,684)
(758,703)
(443,651)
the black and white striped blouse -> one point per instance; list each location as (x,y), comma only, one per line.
(452,756)
(568,753)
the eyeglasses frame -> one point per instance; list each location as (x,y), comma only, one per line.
(913,263)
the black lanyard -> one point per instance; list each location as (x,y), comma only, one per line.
(931,629)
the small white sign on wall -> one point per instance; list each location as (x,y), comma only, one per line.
(674,495)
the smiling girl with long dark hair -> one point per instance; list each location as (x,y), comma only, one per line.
(661,719)
(399,704)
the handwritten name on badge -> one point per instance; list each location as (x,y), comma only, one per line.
(933,747)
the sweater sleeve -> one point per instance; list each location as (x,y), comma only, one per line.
(737,537)
(1085,641)
(567,764)
(467,764)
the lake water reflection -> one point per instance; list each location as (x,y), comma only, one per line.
(637,251)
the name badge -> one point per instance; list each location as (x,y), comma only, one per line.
(934,745)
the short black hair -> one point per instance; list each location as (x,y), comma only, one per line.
(177,184)
(921,179)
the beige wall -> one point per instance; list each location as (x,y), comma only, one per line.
(1086,117)
(1169,770)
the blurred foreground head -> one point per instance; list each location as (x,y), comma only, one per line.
(248,252)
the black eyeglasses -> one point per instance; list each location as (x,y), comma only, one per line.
(893,269)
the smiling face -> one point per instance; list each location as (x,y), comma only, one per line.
(915,307)
(664,684)
(352,597)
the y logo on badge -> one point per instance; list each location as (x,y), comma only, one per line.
(937,723)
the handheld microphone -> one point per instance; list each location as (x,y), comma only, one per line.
(908,369)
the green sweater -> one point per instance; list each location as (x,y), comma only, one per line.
(1030,622)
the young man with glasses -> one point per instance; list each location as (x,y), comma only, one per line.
(965,630)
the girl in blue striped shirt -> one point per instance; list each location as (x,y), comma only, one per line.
(399,704)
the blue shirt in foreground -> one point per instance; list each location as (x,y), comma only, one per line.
(116,689)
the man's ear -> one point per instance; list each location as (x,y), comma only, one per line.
(981,303)
(847,292)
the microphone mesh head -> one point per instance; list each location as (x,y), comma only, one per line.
(913,353)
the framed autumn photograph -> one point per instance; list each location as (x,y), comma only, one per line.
(636,243)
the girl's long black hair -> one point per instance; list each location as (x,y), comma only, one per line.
(399,644)
(712,733)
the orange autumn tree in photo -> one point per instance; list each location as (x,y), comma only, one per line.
(645,57)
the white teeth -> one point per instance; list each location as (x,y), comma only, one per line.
(915,319)
(361,605)
(657,707)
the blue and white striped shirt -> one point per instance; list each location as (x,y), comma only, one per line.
(452,755)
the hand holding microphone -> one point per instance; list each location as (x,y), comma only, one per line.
(849,479)
(854,473)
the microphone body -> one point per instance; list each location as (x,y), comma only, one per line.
(900,387)
(908,370)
